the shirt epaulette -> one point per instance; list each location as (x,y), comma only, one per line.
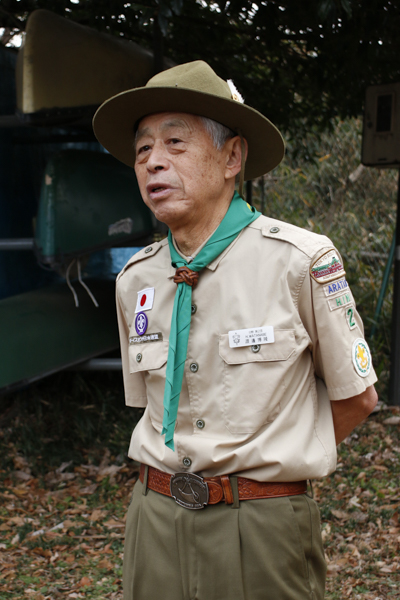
(144,253)
(308,242)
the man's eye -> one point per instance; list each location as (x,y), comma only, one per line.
(175,141)
(143,149)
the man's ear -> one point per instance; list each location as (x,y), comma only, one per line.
(234,156)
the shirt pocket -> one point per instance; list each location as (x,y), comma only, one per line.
(150,359)
(254,381)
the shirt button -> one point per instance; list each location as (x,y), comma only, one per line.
(274,230)
(194,367)
(200,424)
(187,461)
(256,348)
(149,249)
(194,308)
(138,357)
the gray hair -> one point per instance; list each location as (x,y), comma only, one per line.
(218,133)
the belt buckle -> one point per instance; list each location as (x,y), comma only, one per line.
(189,490)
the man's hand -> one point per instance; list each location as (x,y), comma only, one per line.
(350,412)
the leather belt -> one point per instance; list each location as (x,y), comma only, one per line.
(192,491)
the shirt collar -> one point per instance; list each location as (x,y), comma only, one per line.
(212,266)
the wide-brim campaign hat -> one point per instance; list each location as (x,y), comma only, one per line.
(196,89)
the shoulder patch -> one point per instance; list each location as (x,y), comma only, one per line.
(327,267)
(144,253)
(361,357)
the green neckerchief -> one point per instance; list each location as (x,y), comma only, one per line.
(238,216)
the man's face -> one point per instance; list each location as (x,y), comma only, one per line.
(182,177)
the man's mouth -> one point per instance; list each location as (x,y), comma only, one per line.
(157,188)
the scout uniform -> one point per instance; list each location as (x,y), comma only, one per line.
(266,355)
(274,337)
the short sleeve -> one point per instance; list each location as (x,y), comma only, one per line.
(328,310)
(134,385)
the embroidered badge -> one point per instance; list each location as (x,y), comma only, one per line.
(251,337)
(145,300)
(150,337)
(141,323)
(336,287)
(361,357)
(327,268)
(350,318)
(341,301)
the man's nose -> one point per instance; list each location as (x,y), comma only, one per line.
(157,160)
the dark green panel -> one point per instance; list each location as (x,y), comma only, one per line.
(89,200)
(42,331)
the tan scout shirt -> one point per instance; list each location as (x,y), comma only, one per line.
(264,414)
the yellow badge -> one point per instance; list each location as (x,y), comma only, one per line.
(361,357)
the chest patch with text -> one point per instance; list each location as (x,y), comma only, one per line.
(250,337)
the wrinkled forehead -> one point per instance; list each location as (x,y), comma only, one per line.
(168,120)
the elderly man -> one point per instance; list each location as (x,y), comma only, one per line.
(240,338)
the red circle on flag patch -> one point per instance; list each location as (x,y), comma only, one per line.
(143,300)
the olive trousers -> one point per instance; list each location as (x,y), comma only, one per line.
(268,549)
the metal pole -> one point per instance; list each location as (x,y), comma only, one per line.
(17,244)
(394,387)
(385,283)
(249,192)
(262,190)
(99,364)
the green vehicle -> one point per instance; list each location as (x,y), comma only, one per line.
(70,214)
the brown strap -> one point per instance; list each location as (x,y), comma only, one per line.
(186,275)
(220,487)
(226,486)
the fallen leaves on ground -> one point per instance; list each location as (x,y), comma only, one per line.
(62,532)
(360,506)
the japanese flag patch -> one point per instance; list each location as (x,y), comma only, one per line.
(145,300)
(327,267)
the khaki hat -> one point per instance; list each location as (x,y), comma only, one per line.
(196,89)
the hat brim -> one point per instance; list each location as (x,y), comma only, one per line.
(114,123)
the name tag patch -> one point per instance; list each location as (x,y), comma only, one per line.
(142,339)
(145,300)
(336,286)
(327,268)
(249,337)
(341,301)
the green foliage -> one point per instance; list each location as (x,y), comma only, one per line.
(322,186)
(300,63)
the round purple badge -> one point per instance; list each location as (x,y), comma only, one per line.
(141,323)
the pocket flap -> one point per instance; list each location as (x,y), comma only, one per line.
(148,356)
(281,349)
